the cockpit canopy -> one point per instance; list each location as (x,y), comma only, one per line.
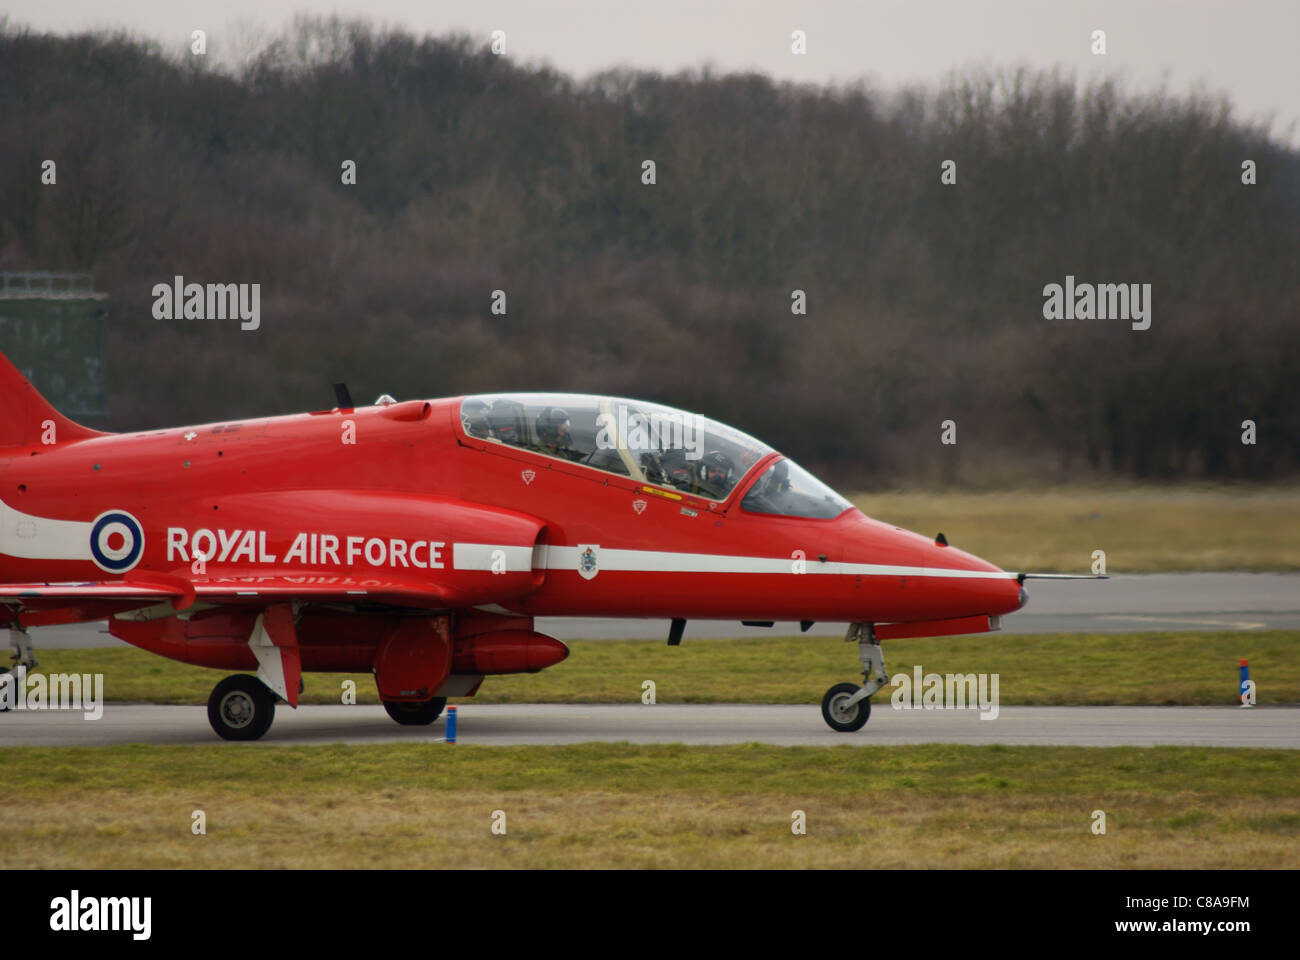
(649,443)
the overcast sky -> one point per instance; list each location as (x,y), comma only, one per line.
(1245,48)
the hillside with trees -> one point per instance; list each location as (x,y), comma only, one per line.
(474,173)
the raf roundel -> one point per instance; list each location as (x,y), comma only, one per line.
(116,541)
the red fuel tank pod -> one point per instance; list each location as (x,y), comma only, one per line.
(412,661)
(507,651)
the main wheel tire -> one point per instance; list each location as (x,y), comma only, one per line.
(241,708)
(415,714)
(845,719)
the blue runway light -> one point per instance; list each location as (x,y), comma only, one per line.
(1244,684)
(451,724)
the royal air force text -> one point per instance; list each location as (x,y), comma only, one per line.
(307,549)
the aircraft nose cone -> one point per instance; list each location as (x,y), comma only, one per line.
(950,583)
(992,589)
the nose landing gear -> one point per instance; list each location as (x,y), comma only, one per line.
(846,706)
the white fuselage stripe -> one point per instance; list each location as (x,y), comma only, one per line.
(39,538)
(658,561)
(482,556)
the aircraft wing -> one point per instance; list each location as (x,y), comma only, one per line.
(182,592)
(21,594)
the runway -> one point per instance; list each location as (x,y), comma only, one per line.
(802,725)
(1138,602)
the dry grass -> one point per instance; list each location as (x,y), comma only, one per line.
(1142,529)
(615,805)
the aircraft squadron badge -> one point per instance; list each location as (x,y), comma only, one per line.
(588,565)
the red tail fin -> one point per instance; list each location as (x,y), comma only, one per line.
(27,418)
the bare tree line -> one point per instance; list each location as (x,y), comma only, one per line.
(924,300)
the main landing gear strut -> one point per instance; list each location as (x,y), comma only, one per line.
(846,706)
(21,645)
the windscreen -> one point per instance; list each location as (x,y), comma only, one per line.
(788,490)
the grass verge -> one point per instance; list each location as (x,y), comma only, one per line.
(1058,669)
(618,805)
(1142,529)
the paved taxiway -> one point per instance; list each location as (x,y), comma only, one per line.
(513,724)
(1157,601)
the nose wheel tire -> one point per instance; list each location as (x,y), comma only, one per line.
(415,714)
(839,714)
(241,708)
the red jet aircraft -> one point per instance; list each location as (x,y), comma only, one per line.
(418,540)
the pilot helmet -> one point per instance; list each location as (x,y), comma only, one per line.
(474,417)
(553,425)
(780,481)
(676,465)
(718,468)
(507,420)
